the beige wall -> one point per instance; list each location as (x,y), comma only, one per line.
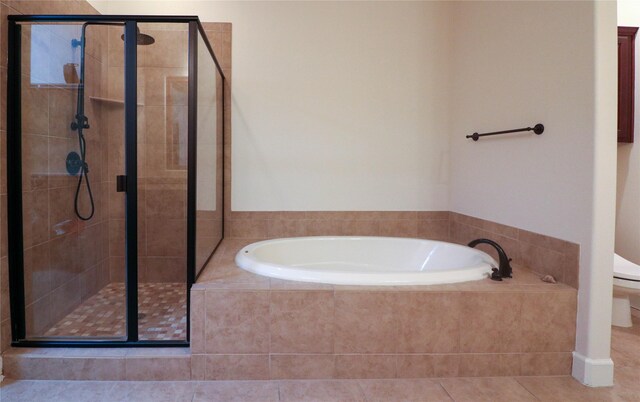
(363,82)
(517,64)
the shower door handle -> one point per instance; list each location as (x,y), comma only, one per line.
(121,183)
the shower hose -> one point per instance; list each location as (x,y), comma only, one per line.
(81,122)
(84,173)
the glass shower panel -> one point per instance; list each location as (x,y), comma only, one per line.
(70,153)
(209,157)
(162,181)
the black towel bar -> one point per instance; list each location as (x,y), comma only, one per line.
(538,129)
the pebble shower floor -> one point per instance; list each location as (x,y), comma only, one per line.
(162,313)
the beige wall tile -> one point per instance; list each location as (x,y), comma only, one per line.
(237,367)
(36,368)
(65,298)
(63,264)
(361,228)
(198,366)
(399,228)
(169,50)
(37,280)
(116,237)
(490,364)
(237,322)
(158,368)
(489,226)
(62,217)
(39,316)
(433,229)
(428,322)
(166,237)
(35,162)
(92,369)
(424,366)
(365,322)
(299,366)
(320,227)
(165,269)
(286,228)
(365,366)
(197,326)
(302,322)
(247,229)
(545,363)
(543,260)
(549,324)
(543,241)
(35,109)
(480,331)
(36,218)
(433,215)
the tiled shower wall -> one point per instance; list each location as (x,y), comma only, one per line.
(542,254)
(52,233)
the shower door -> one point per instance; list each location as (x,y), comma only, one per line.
(70,153)
(101,156)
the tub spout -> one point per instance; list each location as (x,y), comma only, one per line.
(504,270)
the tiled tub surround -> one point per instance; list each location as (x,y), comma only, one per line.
(246,326)
(541,254)
(249,327)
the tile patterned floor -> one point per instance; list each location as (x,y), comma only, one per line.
(162,313)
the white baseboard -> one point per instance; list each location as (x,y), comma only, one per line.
(592,372)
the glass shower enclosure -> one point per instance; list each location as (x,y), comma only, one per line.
(115,193)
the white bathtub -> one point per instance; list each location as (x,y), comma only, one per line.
(376,261)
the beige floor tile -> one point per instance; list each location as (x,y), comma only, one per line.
(152,391)
(418,390)
(320,391)
(492,389)
(563,389)
(236,391)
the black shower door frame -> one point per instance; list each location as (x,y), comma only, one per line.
(14,174)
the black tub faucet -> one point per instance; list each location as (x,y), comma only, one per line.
(504,270)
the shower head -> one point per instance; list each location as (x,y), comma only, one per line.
(143,39)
